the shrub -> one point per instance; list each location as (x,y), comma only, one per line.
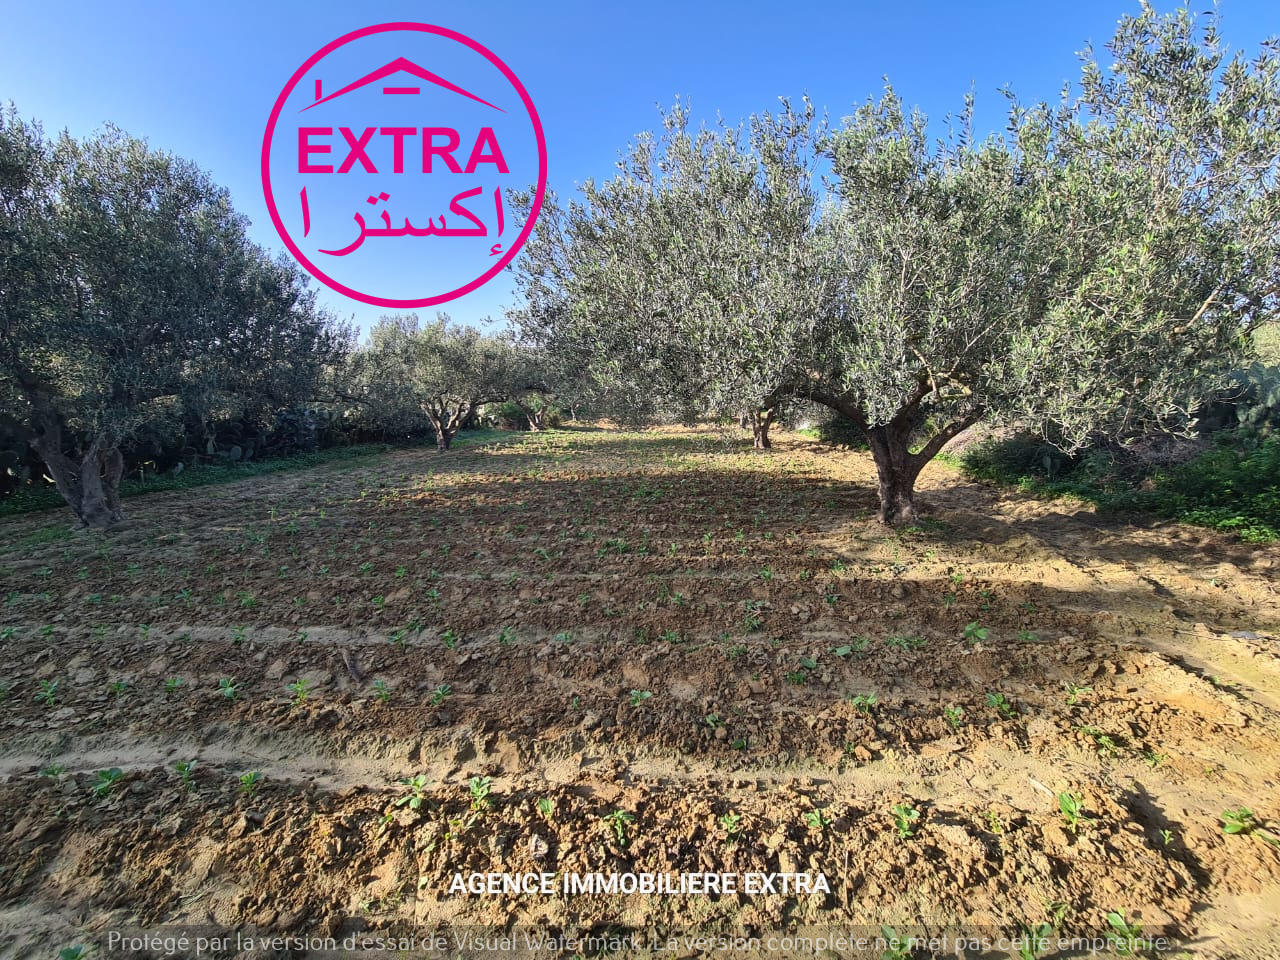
(1233,486)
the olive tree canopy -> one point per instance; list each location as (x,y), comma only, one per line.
(685,283)
(130,295)
(1095,270)
(440,371)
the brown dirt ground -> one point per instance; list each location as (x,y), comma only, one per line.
(502,611)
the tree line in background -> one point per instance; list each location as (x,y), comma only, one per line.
(140,330)
(1097,271)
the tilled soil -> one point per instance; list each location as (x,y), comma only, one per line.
(666,655)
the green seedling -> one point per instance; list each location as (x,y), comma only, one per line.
(249,782)
(855,646)
(547,808)
(1154,758)
(1105,744)
(416,793)
(450,639)
(440,694)
(173,685)
(1072,807)
(640,696)
(106,781)
(1075,692)
(904,818)
(480,788)
(974,633)
(863,702)
(1034,940)
(228,687)
(816,820)
(71,953)
(896,948)
(299,688)
(954,716)
(998,703)
(507,636)
(381,691)
(1026,636)
(1244,822)
(48,692)
(1128,934)
(731,824)
(617,822)
(117,688)
(905,643)
(184,769)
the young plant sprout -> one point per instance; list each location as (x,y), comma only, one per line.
(905,816)
(48,692)
(617,823)
(416,792)
(106,781)
(300,688)
(249,782)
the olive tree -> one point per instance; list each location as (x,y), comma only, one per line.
(684,284)
(439,371)
(1097,270)
(130,296)
(1097,273)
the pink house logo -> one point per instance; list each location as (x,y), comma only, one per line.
(389,161)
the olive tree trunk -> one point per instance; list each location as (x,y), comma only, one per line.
(896,466)
(761,420)
(896,469)
(89,480)
(535,415)
(446,421)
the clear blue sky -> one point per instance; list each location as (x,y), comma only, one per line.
(200,79)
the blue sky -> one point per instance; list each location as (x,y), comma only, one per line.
(200,79)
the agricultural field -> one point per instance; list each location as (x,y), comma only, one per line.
(303,703)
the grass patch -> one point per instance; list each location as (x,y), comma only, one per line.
(46,497)
(1233,487)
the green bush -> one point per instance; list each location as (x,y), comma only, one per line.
(842,432)
(1234,486)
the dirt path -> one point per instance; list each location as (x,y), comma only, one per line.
(724,646)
